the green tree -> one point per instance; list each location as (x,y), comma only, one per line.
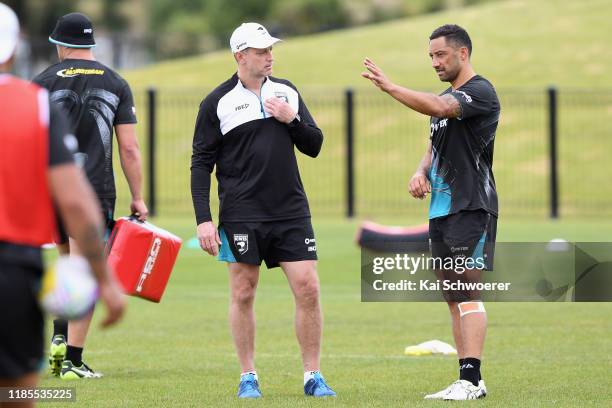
(224,16)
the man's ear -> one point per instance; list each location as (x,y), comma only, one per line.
(240,56)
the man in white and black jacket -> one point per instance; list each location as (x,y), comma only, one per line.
(248,127)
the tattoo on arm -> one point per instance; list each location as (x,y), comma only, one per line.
(452,106)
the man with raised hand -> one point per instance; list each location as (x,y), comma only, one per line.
(248,128)
(457,169)
(96,100)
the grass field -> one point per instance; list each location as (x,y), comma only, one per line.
(179,352)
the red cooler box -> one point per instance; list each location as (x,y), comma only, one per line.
(142,257)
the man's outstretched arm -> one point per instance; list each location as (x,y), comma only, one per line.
(445,106)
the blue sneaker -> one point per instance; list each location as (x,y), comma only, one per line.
(249,387)
(316,387)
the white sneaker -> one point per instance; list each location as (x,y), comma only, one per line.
(464,390)
(440,394)
(483,387)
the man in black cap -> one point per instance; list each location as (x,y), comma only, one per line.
(30,186)
(96,99)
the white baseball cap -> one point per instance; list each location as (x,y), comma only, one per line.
(251,35)
(9,32)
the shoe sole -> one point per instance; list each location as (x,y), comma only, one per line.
(479,397)
(56,358)
(70,376)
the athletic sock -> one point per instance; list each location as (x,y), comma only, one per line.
(470,370)
(309,375)
(60,327)
(250,372)
(75,355)
(461,360)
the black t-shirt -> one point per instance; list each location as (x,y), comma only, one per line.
(95,99)
(253,152)
(461,172)
(62,143)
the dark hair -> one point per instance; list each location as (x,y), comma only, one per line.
(453,34)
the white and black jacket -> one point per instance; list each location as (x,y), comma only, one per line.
(257,170)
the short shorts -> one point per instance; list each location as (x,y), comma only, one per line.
(21,318)
(108,213)
(468,238)
(271,242)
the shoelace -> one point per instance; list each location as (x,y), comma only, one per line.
(320,382)
(251,384)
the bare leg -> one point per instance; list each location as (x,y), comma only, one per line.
(473,332)
(456,324)
(243,284)
(304,282)
(473,325)
(78,329)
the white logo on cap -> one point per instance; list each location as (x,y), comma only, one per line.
(88,31)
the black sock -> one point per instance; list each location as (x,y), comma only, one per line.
(60,327)
(461,361)
(470,370)
(75,355)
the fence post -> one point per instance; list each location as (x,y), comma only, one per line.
(552,133)
(350,164)
(151,98)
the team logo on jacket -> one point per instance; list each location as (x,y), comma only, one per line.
(282,95)
(242,243)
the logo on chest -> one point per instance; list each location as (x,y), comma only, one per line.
(282,95)
(241,107)
(437,126)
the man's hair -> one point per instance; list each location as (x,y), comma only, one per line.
(453,34)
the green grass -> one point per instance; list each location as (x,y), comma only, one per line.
(521,46)
(180,353)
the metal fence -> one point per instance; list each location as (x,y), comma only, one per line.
(373,145)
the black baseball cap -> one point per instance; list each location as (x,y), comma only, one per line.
(73,30)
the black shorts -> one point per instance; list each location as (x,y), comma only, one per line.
(272,242)
(108,213)
(21,319)
(467,241)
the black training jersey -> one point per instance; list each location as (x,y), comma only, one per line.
(96,99)
(461,172)
(62,143)
(254,153)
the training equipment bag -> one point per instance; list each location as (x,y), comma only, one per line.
(142,257)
